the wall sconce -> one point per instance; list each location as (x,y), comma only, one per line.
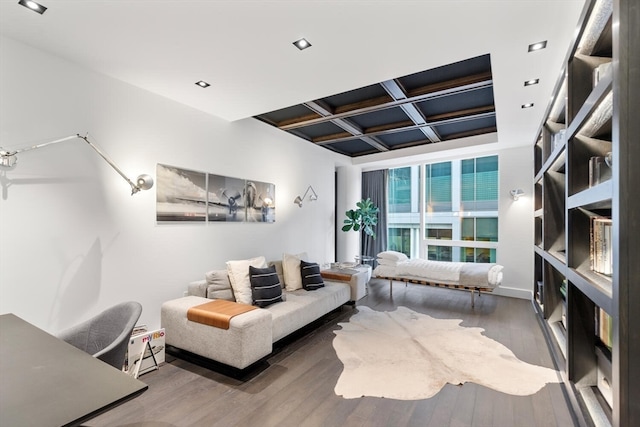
(515,194)
(8,160)
(313,196)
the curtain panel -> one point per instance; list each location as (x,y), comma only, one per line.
(374,186)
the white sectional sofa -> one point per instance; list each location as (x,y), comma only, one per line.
(251,335)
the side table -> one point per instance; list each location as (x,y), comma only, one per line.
(357,277)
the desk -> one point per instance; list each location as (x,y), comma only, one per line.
(46,382)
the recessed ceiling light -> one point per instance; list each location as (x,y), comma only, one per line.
(537,46)
(532,82)
(529,105)
(302,44)
(33,6)
(203,84)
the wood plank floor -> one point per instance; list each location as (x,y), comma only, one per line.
(295,386)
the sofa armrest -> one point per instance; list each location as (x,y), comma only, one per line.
(198,288)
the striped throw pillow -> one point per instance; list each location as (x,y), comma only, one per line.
(265,286)
(311,278)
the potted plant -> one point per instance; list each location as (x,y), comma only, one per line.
(362,219)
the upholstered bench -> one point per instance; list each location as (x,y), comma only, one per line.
(248,339)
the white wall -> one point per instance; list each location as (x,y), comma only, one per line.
(515,224)
(350,192)
(72,239)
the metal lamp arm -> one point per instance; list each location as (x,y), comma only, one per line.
(314,195)
(144,182)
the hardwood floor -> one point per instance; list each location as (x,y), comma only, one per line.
(295,385)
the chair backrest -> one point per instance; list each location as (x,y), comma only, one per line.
(106,336)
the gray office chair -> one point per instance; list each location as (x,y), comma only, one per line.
(106,336)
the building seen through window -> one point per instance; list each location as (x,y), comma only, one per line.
(458,207)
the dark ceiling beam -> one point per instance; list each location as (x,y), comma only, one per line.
(443,119)
(306,117)
(451,84)
(432,91)
(353,129)
(461,113)
(397,92)
(473,132)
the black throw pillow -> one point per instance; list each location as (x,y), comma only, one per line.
(265,286)
(311,278)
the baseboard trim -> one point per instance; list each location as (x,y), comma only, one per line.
(513,292)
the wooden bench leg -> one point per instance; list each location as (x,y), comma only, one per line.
(390,288)
(473,303)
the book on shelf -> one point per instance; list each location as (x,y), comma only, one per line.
(599,170)
(557,138)
(602,71)
(601,244)
(604,327)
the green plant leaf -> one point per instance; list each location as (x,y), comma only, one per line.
(364,218)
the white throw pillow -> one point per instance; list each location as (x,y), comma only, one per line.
(239,277)
(393,256)
(391,263)
(291,271)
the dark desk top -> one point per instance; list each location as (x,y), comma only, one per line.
(47,382)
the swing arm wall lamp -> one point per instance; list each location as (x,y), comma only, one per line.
(313,196)
(8,160)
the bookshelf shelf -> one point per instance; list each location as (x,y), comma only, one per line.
(593,198)
(594,116)
(586,169)
(597,288)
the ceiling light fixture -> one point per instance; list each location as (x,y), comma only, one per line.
(537,46)
(8,160)
(203,84)
(302,44)
(529,105)
(532,82)
(29,4)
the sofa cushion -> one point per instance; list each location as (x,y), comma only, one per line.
(239,277)
(218,285)
(279,271)
(311,278)
(265,286)
(302,307)
(291,270)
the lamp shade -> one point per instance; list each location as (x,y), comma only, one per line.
(144,182)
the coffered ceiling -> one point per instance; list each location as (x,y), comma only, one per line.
(366,84)
(445,103)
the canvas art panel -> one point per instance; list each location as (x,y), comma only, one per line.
(225,199)
(180,194)
(260,201)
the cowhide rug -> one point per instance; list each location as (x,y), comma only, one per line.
(410,356)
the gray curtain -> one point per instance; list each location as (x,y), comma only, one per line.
(374,186)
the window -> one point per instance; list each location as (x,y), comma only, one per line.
(399,239)
(479,255)
(479,184)
(439,253)
(445,211)
(438,187)
(479,229)
(399,190)
(439,231)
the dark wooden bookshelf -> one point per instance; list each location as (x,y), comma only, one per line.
(586,166)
